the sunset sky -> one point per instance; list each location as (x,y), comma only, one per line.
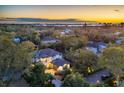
(89,13)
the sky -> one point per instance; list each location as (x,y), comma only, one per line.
(81,12)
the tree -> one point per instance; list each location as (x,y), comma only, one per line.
(36,76)
(2,84)
(22,57)
(13,57)
(56,34)
(6,52)
(27,45)
(74,80)
(113,59)
(74,42)
(35,37)
(83,61)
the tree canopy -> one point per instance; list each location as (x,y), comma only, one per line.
(74,80)
(82,60)
(36,76)
(74,42)
(113,59)
(13,56)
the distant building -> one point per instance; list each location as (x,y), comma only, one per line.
(122,38)
(50,40)
(65,31)
(117,33)
(119,41)
(17,40)
(96,47)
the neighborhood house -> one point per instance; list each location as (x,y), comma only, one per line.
(50,40)
(97,76)
(52,59)
(96,47)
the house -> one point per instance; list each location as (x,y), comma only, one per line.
(52,59)
(50,40)
(117,33)
(60,63)
(97,76)
(47,55)
(122,38)
(18,39)
(102,45)
(119,41)
(94,50)
(65,31)
(96,47)
(50,71)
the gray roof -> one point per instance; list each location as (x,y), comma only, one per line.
(60,62)
(57,82)
(48,38)
(93,78)
(46,53)
(96,47)
(97,44)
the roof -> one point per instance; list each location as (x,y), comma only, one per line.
(94,50)
(67,30)
(17,40)
(118,42)
(49,39)
(60,62)
(102,43)
(46,53)
(122,38)
(93,78)
(57,82)
(117,33)
(96,45)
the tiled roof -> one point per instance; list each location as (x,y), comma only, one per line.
(60,62)
(93,78)
(47,53)
(49,39)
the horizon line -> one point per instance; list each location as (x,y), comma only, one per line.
(50,19)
